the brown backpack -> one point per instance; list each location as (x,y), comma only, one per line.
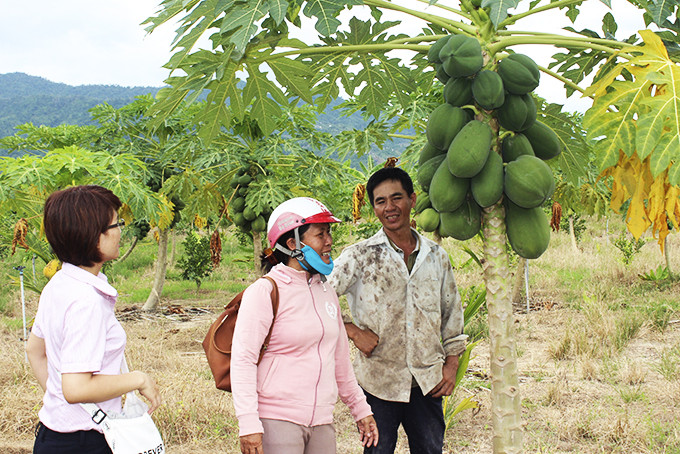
(217,342)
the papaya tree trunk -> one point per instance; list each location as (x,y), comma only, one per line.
(173,241)
(667,254)
(159,274)
(257,252)
(518,281)
(127,253)
(572,233)
(506,411)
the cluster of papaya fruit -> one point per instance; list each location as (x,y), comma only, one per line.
(467,164)
(243,216)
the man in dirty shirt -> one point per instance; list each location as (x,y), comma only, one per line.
(406,319)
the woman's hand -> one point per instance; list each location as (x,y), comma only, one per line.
(149,389)
(368,431)
(251,444)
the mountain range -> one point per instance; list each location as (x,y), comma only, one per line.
(31,99)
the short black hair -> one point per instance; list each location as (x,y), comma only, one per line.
(279,256)
(74,219)
(389,174)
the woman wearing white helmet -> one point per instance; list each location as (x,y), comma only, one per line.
(284,403)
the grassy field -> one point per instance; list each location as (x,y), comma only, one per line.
(599,352)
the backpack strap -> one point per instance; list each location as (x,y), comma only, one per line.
(275,310)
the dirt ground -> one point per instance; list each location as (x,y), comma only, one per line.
(621,404)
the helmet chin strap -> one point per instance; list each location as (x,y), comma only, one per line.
(299,255)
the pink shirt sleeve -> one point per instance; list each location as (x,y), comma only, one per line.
(252,325)
(348,389)
(84,338)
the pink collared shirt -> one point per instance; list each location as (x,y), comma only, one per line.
(77,321)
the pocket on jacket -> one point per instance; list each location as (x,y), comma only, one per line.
(265,371)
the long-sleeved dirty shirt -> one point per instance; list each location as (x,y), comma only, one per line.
(417,316)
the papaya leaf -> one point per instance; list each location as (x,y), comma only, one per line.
(499,9)
(216,114)
(266,98)
(660,10)
(613,130)
(326,12)
(240,22)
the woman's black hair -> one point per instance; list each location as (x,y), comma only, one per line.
(269,260)
(75,218)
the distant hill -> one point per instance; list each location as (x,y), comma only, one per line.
(31,99)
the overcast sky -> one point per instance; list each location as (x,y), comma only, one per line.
(82,42)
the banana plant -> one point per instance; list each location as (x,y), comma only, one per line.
(633,123)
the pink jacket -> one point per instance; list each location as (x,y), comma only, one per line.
(307,363)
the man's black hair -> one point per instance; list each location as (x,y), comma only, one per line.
(391,174)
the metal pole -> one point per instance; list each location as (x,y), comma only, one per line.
(526,282)
(23,304)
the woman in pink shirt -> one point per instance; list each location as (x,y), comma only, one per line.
(284,404)
(76,345)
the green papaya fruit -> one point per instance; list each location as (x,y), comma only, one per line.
(517,113)
(463,223)
(435,48)
(440,74)
(245,179)
(239,220)
(427,170)
(242,191)
(515,146)
(469,150)
(544,141)
(487,89)
(487,186)
(259,224)
(461,56)
(428,220)
(423,202)
(444,123)
(238,204)
(527,229)
(520,74)
(428,152)
(528,181)
(458,91)
(447,192)
(249,214)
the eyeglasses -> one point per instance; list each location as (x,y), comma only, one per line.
(120,224)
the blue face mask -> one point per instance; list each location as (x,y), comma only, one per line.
(315,261)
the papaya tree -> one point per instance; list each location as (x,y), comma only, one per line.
(254,172)
(26,181)
(633,121)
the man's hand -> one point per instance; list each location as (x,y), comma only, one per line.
(251,444)
(364,339)
(445,387)
(368,432)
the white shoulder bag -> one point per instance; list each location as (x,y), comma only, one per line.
(132,431)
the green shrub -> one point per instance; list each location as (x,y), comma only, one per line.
(195,263)
(628,247)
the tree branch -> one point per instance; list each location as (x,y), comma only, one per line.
(554,40)
(450,25)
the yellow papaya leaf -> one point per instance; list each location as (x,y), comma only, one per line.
(637,220)
(126,213)
(673,206)
(200,221)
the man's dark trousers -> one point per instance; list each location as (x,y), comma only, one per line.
(422,418)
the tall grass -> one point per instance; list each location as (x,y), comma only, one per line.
(598,370)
